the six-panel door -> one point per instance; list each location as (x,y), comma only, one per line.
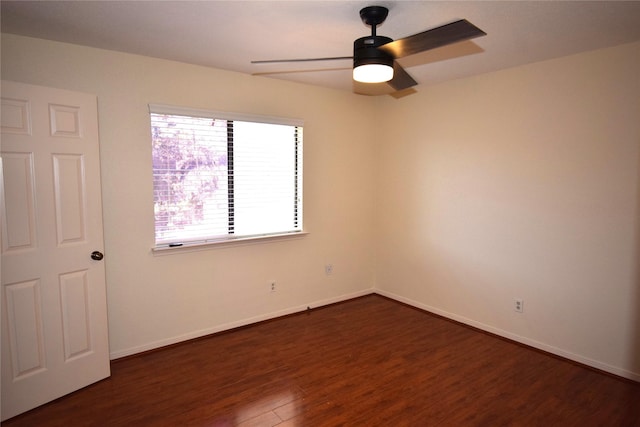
(54,313)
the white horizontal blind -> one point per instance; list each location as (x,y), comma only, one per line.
(219,179)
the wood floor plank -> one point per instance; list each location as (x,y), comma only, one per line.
(369,361)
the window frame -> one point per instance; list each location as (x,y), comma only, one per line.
(164,248)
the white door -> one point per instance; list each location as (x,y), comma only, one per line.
(54,311)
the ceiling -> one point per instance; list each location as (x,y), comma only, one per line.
(230,34)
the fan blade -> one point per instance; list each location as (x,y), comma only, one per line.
(299,71)
(273,61)
(401,79)
(436,37)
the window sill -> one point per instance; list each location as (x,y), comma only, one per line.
(248,240)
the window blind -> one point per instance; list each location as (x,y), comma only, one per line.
(218,178)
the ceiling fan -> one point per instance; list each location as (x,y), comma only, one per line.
(374,57)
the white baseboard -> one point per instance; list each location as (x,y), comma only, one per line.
(514,337)
(231,325)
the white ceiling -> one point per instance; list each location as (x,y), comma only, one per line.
(229,34)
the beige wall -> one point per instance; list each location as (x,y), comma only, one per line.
(155,300)
(521,183)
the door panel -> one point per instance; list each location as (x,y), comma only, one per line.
(76,324)
(69,190)
(25,328)
(54,317)
(19,225)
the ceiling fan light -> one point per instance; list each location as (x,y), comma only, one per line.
(370,64)
(373,73)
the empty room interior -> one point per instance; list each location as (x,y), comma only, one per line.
(473,224)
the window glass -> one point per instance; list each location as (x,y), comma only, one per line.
(219,179)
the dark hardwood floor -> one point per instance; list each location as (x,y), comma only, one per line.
(365,362)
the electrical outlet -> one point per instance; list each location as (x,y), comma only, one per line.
(273,285)
(328,269)
(518,305)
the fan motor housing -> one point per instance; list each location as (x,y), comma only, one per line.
(365,51)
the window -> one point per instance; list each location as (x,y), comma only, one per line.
(220,176)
